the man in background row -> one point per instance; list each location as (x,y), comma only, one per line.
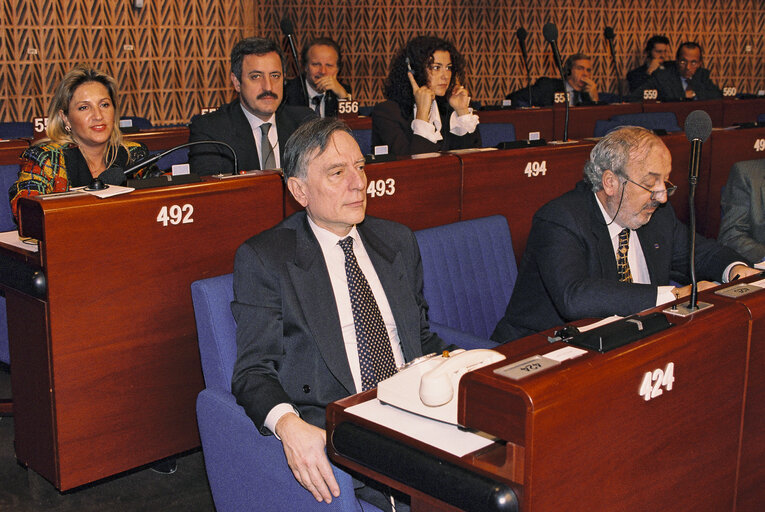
(656,54)
(256,125)
(579,85)
(322,60)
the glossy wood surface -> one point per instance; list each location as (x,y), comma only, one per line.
(582,119)
(106,368)
(581,437)
(742,110)
(10,150)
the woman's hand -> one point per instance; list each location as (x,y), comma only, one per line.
(460,100)
(423,98)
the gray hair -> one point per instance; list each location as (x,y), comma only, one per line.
(308,141)
(613,152)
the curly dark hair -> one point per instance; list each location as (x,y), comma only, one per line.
(420,52)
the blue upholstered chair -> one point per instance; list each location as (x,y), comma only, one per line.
(651,120)
(761,118)
(246,471)
(364,139)
(469,271)
(494,133)
(16,130)
(176,157)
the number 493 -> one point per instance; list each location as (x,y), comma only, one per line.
(654,381)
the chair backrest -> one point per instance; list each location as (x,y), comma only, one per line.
(17,130)
(216,329)
(8,176)
(761,118)
(180,156)
(469,271)
(651,120)
(364,138)
(495,133)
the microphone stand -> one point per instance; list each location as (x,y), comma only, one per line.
(140,165)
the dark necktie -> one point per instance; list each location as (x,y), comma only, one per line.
(316,101)
(622,265)
(375,352)
(269,160)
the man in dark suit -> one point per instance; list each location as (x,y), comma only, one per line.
(656,54)
(256,125)
(300,342)
(743,210)
(579,84)
(322,60)
(610,246)
(686,80)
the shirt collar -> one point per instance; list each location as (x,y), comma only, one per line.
(613,227)
(255,121)
(327,239)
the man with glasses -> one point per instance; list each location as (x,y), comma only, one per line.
(686,80)
(610,246)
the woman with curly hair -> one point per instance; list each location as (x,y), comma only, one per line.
(84,140)
(427,108)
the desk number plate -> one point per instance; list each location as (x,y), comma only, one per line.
(520,369)
(738,290)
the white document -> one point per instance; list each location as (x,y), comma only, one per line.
(440,435)
(13,238)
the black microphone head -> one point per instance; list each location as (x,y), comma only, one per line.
(550,31)
(521,34)
(286,26)
(698,126)
(609,33)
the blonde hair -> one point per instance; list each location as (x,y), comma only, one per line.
(80,75)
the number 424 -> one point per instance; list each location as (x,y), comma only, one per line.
(654,381)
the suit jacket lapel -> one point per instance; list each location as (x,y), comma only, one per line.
(247,152)
(317,301)
(390,270)
(605,247)
(284,128)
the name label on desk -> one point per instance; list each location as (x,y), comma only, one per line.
(176,214)
(526,367)
(536,168)
(654,383)
(381,187)
(759,145)
(738,290)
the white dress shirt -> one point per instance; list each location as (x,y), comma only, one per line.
(257,134)
(431,129)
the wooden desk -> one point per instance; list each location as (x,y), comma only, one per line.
(582,119)
(10,151)
(420,192)
(160,139)
(579,436)
(497,183)
(742,111)
(727,148)
(105,360)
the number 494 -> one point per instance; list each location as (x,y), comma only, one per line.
(654,381)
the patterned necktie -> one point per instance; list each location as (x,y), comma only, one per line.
(316,100)
(375,353)
(269,162)
(622,265)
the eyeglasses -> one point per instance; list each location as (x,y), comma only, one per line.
(669,188)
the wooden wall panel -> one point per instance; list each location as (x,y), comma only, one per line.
(179,58)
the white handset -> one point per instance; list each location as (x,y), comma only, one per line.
(437,385)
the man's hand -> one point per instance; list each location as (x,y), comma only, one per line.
(591,88)
(690,94)
(684,291)
(460,100)
(330,83)
(304,447)
(653,65)
(740,271)
(423,98)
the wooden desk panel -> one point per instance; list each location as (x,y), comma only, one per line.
(524,120)
(10,151)
(494,183)
(120,355)
(588,440)
(742,111)
(159,139)
(682,108)
(582,119)
(419,192)
(728,147)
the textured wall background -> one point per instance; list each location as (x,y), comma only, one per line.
(178,63)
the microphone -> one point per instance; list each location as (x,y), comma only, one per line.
(610,36)
(698,127)
(521,35)
(288,29)
(130,172)
(550,33)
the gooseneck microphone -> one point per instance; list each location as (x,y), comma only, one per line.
(698,126)
(130,172)
(521,34)
(288,30)
(610,36)
(550,33)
